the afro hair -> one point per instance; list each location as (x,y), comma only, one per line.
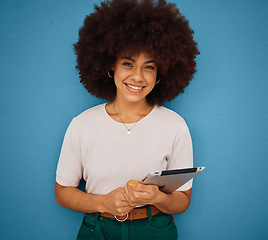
(132,26)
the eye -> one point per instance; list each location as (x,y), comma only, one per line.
(127,64)
(149,67)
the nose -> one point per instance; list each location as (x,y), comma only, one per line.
(137,75)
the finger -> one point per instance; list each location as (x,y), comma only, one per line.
(137,197)
(131,189)
(143,194)
(132,184)
(139,187)
(128,194)
(124,211)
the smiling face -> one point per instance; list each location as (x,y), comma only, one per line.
(134,77)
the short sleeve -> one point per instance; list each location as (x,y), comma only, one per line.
(70,170)
(182,153)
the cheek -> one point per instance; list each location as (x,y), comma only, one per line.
(152,79)
(120,75)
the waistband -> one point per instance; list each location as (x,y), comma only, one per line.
(136,213)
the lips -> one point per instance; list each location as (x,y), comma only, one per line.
(135,89)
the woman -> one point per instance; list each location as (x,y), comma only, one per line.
(136,55)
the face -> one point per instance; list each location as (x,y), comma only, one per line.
(134,77)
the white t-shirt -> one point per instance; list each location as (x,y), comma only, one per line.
(98,148)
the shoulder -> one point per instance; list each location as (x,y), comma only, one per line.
(91,115)
(171,121)
(168,115)
(91,112)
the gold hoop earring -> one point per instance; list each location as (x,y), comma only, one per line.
(109,75)
(158,81)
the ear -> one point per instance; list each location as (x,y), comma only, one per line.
(113,66)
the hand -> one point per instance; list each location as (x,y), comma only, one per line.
(138,194)
(115,203)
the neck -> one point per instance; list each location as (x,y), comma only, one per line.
(129,112)
(130,108)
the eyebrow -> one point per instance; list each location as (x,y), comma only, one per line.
(132,60)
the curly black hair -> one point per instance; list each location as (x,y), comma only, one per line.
(133,26)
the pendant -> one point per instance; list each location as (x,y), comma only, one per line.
(128,132)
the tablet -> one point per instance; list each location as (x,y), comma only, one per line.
(170,180)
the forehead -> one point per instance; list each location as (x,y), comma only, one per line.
(136,56)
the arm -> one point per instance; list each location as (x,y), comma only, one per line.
(174,203)
(77,200)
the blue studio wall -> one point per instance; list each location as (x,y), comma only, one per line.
(225,107)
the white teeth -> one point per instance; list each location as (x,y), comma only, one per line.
(134,87)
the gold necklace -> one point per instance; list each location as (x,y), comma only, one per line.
(129,129)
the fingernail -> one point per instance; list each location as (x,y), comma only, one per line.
(132,184)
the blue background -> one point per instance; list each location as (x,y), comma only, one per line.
(225,107)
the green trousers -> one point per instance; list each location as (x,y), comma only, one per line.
(160,226)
